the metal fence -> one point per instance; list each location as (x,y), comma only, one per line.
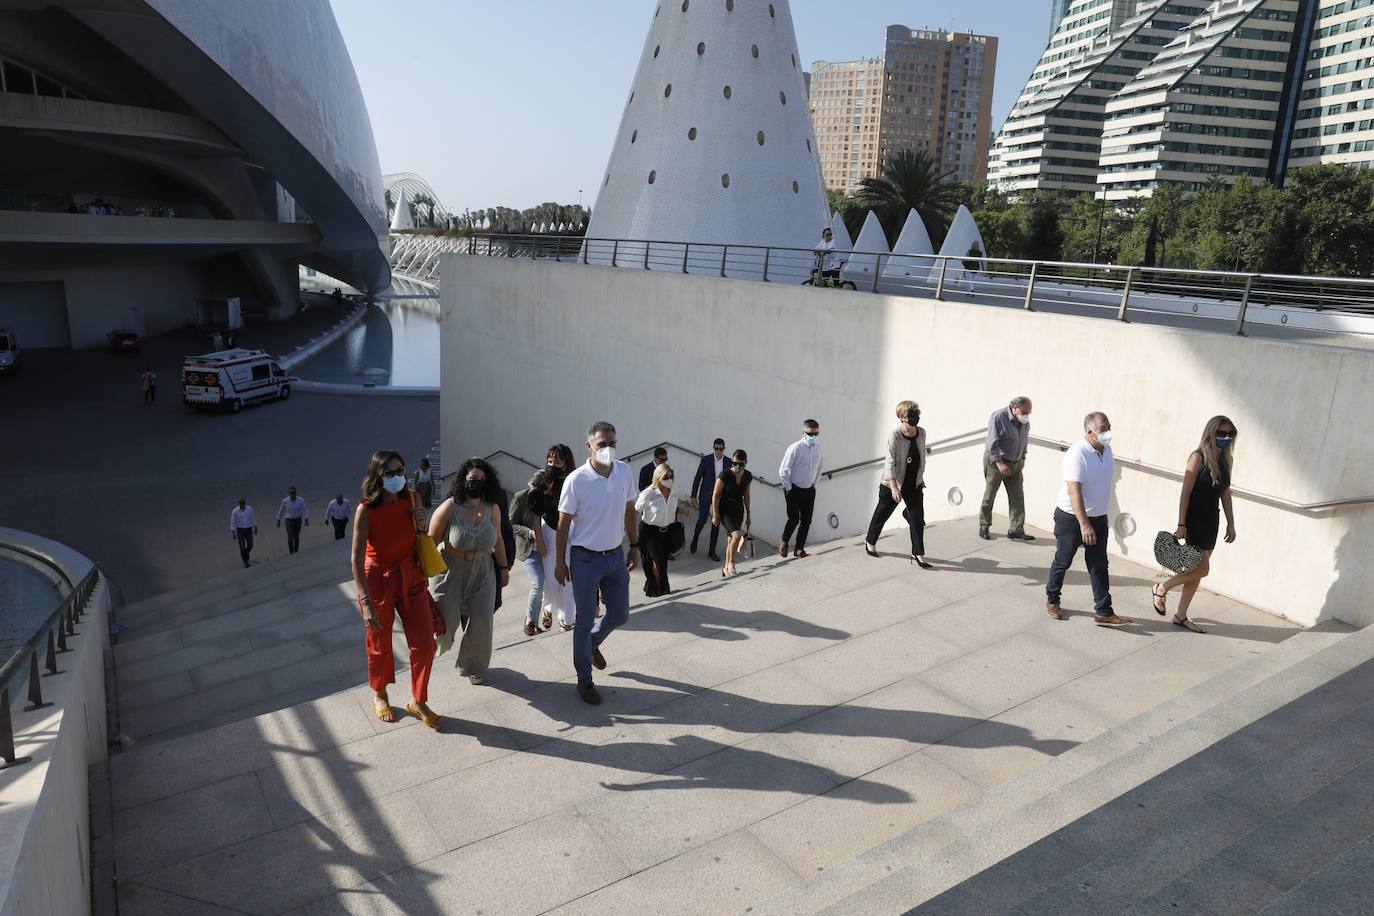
(1107,289)
(49,640)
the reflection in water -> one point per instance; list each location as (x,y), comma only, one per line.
(396,344)
(27,597)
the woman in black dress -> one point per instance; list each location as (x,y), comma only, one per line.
(730,506)
(1206,490)
(903,481)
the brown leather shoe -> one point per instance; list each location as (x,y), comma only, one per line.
(782,548)
(799,552)
(1053,611)
(1113,620)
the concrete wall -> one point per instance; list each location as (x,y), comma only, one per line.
(685,358)
(44,804)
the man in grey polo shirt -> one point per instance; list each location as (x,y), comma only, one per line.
(596,512)
(1080,519)
(1004,458)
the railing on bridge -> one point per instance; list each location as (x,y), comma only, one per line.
(48,640)
(1115,289)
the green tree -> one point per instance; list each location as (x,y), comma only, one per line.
(910,180)
(1333,218)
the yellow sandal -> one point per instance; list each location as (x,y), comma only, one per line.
(384,711)
(426,716)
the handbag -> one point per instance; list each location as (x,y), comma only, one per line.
(746,548)
(1174,555)
(426,551)
(677,537)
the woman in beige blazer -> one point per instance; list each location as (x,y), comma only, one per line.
(903,479)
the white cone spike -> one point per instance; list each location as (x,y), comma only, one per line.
(401,218)
(840,233)
(871,240)
(714,145)
(963,241)
(914,240)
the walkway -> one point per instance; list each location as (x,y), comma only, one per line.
(754,734)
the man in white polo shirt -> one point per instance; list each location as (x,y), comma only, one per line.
(596,512)
(1080,519)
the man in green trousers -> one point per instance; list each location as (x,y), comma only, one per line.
(1004,460)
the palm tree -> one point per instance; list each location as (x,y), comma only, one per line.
(910,180)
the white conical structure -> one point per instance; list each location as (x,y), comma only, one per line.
(914,240)
(871,240)
(960,242)
(715,143)
(401,218)
(840,232)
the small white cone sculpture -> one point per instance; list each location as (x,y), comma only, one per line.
(401,218)
(841,233)
(871,240)
(963,241)
(914,240)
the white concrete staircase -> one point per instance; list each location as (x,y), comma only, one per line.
(1253,791)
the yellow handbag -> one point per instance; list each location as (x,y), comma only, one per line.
(426,551)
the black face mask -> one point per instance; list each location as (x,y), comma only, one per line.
(474,488)
(913,417)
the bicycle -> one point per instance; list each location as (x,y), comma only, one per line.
(818,277)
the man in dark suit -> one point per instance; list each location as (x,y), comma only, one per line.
(703,485)
(646,473)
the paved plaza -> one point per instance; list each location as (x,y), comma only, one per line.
(754,735)
(146,491)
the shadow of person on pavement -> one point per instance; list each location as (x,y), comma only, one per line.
(718,623)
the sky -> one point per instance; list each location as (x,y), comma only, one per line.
(515,102)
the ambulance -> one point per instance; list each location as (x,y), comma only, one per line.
(229,379)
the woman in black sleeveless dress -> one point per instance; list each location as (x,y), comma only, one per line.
(1206,493)
(730,507)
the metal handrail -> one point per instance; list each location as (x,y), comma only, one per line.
(1309,293)
(53,634)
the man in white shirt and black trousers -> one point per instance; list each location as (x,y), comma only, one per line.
(295,511)
(800,472)
(243,524)
(338,512)
(596,513)
(1080,519)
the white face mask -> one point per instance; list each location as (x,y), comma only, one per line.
(393,484)
(605,456)
(1023,418)
(669,484)
(1105,437)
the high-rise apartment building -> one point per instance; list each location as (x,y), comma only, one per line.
(1191,91)
(846,108)
(1057,8)
(931,90)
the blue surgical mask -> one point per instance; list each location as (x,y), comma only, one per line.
(1224,442)
(393,484)
(811,439)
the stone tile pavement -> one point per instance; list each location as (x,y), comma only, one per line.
(753,733)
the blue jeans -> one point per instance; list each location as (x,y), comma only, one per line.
(1068,537)
(534,565)
(592,574)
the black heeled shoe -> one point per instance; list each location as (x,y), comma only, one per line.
(870,551)
(921,563)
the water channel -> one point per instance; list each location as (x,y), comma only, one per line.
(396,344)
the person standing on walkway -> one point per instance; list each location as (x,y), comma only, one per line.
(390,583)
(1004,458)
(149,379)
(530,547)
(658,509)
(424,483)
(467,527)
(337,512)
(646,473)
(730,505)
(596,512)
(296,512)
(558,596)
(800,472)
(243,524)
(904,479)
(1080,519)
(1206,493)
(703,486)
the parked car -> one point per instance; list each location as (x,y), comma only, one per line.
(125,341)
(229,379)
(9,352)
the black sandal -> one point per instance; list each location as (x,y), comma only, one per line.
(1161,611)
(1187,624)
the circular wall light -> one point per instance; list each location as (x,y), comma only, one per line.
(1125,524)
(833,520)
(955,496)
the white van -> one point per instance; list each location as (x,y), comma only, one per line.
(231,378)
(9,352)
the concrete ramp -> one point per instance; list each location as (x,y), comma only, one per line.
(757,735)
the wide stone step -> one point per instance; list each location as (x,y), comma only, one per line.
(939,854)
(1340,888)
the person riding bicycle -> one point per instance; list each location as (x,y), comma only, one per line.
(828,259)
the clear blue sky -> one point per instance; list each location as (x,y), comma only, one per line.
(515,102)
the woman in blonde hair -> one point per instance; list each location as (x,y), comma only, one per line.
(904,472)
(1206,489)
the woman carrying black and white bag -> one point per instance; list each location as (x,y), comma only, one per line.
(1206,493)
